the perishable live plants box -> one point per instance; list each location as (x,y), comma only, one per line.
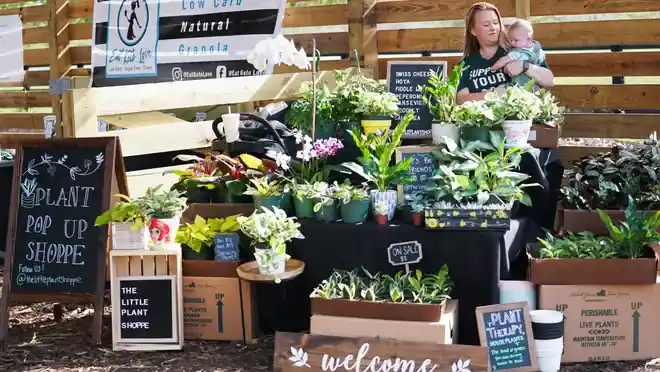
(606,322)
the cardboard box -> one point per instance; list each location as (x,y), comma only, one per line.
(606,322)
(578,220)
(543,136)
(218,309)
(441,332)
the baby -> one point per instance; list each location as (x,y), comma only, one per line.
(520,36)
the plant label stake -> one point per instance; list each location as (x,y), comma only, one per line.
(404,253)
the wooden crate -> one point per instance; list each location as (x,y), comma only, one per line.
(148,264)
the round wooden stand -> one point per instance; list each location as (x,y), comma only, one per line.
(250,271)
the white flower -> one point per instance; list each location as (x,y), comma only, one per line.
(282,160)
(461,366)
(275,51)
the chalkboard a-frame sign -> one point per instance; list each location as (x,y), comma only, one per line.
(421,169)
(54,252)
(506,330)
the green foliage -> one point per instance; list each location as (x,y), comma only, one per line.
(377,104)
(439,94)
(126,211)
(201,233)
(580,245)
(265,186)
(161,204)
(351,83)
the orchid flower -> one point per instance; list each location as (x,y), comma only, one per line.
(275,51)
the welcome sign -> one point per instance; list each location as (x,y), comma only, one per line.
(311,353)
(150,41)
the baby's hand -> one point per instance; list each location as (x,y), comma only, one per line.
(500,63)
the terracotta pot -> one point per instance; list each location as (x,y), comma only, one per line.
(417,218)
(381,219)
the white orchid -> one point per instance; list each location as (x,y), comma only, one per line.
(275,51)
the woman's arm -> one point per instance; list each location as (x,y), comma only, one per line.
(464,95)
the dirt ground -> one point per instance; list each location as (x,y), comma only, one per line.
(36,343)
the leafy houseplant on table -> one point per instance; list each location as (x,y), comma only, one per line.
(267,191)
(351,83)
(300,113)
(326,208)
(354,202)
(201,181)
(381,208)
(418,204)
(582,258)
(439,95)
(128,224)
(375,163)
(476,119)
(518,107)
(197,238)
(270,230)
(164,209)
(551,113)
(473,191)
(409,296)
(303,200)
(377,111)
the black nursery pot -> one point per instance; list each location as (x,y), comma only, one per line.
(197,194)
(205,254)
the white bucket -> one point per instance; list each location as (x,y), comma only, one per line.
(440,130)
(548,352)
(516,132)
(512,291)
(124,238)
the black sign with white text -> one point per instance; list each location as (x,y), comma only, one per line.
(404,79)
(145,308)
(404,253)
(56,245)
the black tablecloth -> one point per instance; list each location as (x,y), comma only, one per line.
(474,260)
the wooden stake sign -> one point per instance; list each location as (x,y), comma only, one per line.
(297,352)
(54,252)
(507,332)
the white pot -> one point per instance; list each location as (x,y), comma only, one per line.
(389,197)
(440,129)
(162,232)
(516,132)
(123,238)
(270,261)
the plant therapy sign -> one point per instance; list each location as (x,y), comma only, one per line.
(303,352)
(150,41)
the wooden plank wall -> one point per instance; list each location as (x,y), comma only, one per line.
(374,27)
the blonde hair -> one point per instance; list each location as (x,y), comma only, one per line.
(471,43)
(521,23)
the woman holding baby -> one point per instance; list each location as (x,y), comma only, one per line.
(489,67)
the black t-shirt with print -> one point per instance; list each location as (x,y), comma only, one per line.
(477,75)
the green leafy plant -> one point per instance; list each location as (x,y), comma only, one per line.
(125,211)
(270,227)
(550,110)
(376,155)
(324,194)
(377,104)
(161,204)
(201,233)
(345,192)
(351,83)
(439,94)
(577,245)
(412,287)
(381,208)
(417,201)
(265,186)
(300,113)
(634,234)
(204,171)
(478,114)
(517,103)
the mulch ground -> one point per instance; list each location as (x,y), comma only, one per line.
(37,343)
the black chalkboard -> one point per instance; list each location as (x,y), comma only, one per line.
(226,247)
(404,253)
(145,309)
(421,169)
(506,331)
(56,246)
(404,79)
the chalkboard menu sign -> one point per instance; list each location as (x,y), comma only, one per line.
(404,79)
(147,310)
(226,247)
(507,332)
(59,188)
(421,169)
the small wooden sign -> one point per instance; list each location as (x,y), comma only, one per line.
(404,253)
(145,309)
(226,247)
(54,251)
(312,353)
(421,169)
(506,330)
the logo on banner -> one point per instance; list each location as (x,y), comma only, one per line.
(132,39)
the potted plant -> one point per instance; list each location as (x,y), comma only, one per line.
(354,202)
(411,296)
(299,115)
(517,107)
(381,209)
(303,200)
(474,191)
(551,113)
(197,238)
(201,181)
(351,83)
(236,175)
(439,95)
(476,119)
(128,224)
(377,111)
(267,191)
(583,258)
(417,203)
(270,229)
(164,209)
(325,203)
(376,166)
